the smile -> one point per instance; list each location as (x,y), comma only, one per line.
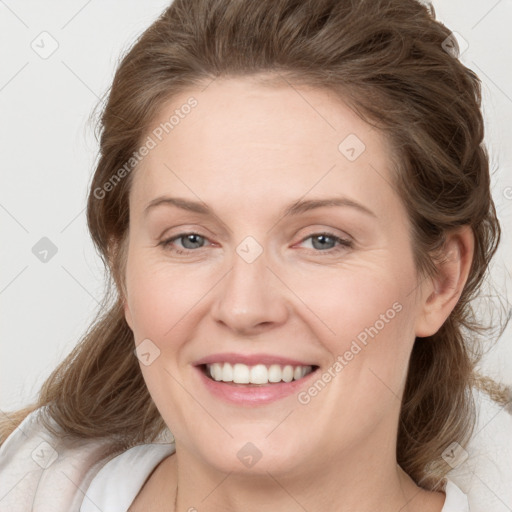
(240,373)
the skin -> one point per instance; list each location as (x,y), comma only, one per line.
(248,151)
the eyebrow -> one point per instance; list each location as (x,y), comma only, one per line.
(296,208)
(310,204)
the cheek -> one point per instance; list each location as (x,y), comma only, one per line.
(161,300)
(372,322)
(159,296)
(365,319)
(349,302)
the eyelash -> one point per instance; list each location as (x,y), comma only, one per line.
(343,243)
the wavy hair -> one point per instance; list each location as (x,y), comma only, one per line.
(388,60)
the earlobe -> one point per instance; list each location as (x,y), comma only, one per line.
(441,293)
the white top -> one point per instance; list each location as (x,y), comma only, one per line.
(117,484)
(44,473)
(119,481)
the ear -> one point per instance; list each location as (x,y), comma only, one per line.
(441,293)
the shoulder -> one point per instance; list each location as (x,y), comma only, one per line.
(120,481)
(38,468)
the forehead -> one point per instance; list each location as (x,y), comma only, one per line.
(259,141)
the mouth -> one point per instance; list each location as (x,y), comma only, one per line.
(247,380)
(255,375)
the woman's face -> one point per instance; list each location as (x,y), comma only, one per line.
(268,277)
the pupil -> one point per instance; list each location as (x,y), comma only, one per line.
(190,238)
(323,238)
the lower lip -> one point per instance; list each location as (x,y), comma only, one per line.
(250,394)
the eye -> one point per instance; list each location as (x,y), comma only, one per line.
(326,242)
(321,242)
(189,242)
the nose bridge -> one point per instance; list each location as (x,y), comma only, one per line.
(248,297)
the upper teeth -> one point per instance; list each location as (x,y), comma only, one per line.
(259,374)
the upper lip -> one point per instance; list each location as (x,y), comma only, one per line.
(250,360)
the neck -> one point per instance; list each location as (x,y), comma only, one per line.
(348,482)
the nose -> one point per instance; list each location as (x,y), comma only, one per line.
(250,298)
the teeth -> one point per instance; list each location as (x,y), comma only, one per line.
(217,372)
(241,373)
(288,373)
(227,373)
(275,373)
(259,374)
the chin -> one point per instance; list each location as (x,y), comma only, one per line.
(256,452)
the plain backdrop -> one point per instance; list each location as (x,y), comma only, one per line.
(48,151)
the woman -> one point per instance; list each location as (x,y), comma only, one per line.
(293,201)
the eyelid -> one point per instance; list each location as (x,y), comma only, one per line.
(169,239)
(333,232)
(344,243)
(198,229)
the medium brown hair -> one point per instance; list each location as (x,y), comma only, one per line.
(387,60)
